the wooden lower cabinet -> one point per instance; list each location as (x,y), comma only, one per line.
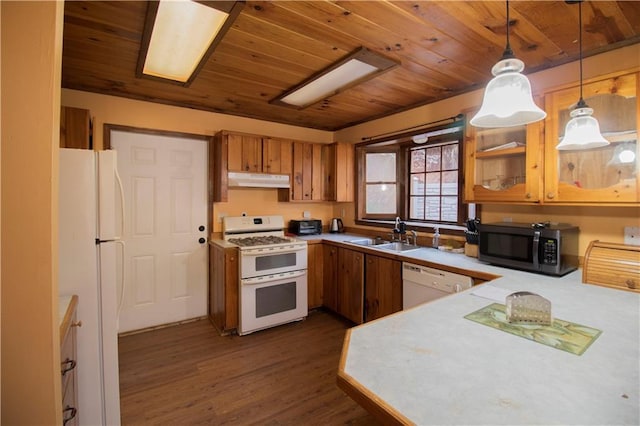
(343,289)
(351,284)
(223,287)
(360,287)
(383,287)
(315,275)
(330,277)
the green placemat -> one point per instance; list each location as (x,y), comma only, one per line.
(563,335)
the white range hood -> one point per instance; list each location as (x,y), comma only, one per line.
(258,180)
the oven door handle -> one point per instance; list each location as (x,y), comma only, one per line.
(270,252)
(271,278)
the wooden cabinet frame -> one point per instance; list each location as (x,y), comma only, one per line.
(556,191)
(529,191)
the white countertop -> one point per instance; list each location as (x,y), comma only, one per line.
(436,367)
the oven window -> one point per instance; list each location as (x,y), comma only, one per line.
(506,246)
(275,261)
(275,299)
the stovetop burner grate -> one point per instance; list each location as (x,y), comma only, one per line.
(258,241)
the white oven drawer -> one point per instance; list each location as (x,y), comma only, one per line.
(261,261)
(271,300)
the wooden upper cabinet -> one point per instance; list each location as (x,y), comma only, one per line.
(306,178)
(338,172)
(259,154)
(75,128)
(318,172)
(245,153)
(606,175)
(503,164)
(277,155)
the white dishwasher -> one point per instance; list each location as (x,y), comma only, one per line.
(422,284)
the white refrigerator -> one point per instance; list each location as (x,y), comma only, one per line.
(90,222)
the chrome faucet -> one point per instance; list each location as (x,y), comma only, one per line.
(398,230)
(414,236)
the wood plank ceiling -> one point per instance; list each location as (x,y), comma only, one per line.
(445,48)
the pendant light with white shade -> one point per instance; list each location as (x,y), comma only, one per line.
(507,98)
(583,130)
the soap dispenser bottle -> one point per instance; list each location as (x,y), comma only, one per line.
(436,238)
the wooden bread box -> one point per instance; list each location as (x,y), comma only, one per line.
(612,265)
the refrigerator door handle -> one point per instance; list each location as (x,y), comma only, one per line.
(122,280)
(122,209)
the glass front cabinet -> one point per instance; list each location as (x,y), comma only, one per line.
(522,165)
(503,164)
(606,175)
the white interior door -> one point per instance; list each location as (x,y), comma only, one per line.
(166,266)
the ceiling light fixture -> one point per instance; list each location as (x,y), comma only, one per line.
(507,98)
(179,37)
(420,139)
(583,130)
(355,68)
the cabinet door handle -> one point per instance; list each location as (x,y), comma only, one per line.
(550,195)
(68,365)
(631,284)
(68,414)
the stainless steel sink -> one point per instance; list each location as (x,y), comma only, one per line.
(398,246)
(369,242)
(377,243)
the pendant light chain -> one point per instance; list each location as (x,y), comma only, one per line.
(581,101)
(508,53)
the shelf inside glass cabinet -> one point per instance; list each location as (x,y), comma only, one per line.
(500,156)
(518,150)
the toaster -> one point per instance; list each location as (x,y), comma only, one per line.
(305,227)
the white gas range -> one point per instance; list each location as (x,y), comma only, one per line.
(273,271)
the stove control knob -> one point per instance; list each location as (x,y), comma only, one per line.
(201,228)
(202,240)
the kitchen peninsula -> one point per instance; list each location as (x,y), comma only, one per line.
(430,365)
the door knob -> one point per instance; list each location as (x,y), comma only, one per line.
(202,240)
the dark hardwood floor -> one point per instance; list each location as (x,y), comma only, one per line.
(190,375)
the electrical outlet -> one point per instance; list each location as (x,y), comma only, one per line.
(632,235)
(220,216)
(342,213)
(306,214)
(507,219)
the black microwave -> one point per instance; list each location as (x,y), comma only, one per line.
(538,247)
(305,227)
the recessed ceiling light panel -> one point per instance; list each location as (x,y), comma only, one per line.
(359,66)
(180,35)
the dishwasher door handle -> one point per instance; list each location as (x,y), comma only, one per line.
(432,272)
